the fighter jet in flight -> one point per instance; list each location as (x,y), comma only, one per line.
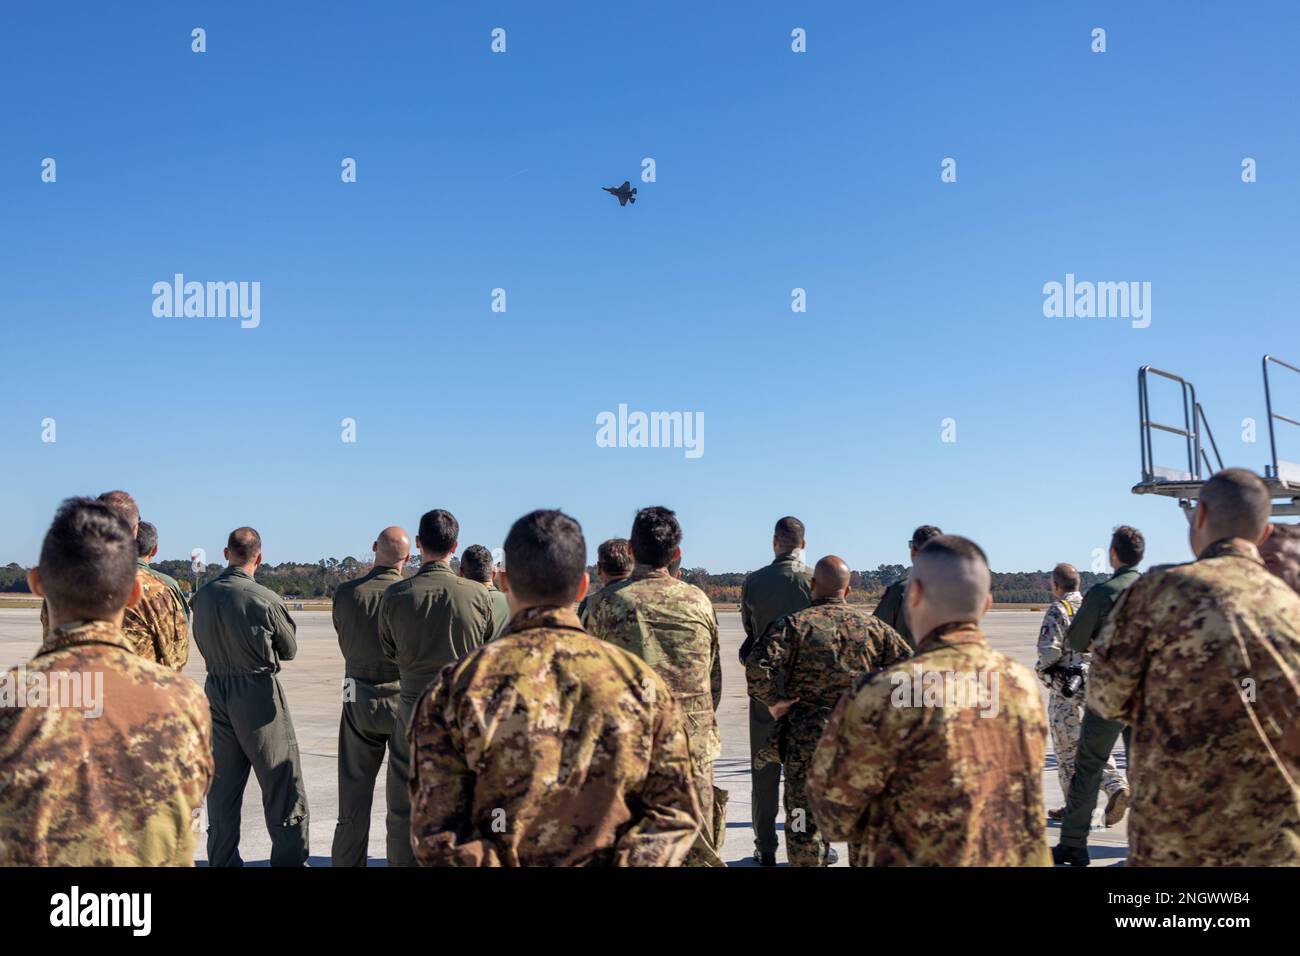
(625,193)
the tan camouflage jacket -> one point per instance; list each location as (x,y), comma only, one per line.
(937,761)
(157,628)
(671,625)
(814,655)
(1203,660)
(548,747)
(115,776)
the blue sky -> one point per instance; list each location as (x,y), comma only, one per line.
(775,170)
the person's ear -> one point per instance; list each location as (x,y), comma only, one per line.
(134,599)
(454,546)
(1201,518)
(677,554)
(988,604)
(34,582)
(225,553)
(1266,534)
(584,586)
(257,561)
(503,581)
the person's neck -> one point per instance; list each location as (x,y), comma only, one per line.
(435,558)
(381,568)
(249,569)
(57,619)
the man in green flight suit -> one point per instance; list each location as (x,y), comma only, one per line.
(890,608)
(476,565)
(1097,735)
(244,631)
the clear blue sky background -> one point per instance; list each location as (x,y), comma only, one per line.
(775,170)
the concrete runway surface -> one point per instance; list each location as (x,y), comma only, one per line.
(312,684)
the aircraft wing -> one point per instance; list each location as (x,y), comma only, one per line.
(626,184)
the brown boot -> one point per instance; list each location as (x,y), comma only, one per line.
(1057,814)
(1117,806)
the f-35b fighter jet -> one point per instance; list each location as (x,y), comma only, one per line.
(625,193)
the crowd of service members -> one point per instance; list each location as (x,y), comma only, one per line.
(529,721)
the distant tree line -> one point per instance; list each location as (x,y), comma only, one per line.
(319,580)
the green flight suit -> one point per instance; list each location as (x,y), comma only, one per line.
(500,609)
(890,610)
(369,717)
(1097,735)
(426,622)
(768,594)
(243,631)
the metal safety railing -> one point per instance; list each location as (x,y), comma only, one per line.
(1194,427)
(1282,470)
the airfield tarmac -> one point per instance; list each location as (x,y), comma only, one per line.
(312,685)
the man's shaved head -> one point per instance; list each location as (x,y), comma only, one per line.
(243,546)
(124,506)
(392,547)
(950,583)
(831,577)
(1066,577)
(1234,503)
(1281,553)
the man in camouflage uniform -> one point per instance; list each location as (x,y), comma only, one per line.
(549,747)
(109,767)
(1056,660)
(476,565)
(613,563)
(1281,554)
(426,622)
(1203,661)
(671,625)
(937,761)
(890,607)
(244,631)
(1097,735)
(370,692)
(157,626)
(800,668)
(146,542)
(767,595)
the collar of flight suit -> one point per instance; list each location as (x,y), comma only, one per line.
(1231,548)
(786,557)
(946,635)
(545,615)
(838,599)
(234,572)
(84,632)
(380,572)
(1125,569)
(430,566)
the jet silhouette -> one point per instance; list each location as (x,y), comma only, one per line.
(625,193)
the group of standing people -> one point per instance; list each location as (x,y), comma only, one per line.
(528,722)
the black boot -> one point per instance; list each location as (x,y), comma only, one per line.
(1070,855)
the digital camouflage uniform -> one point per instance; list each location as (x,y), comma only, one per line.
(1065,714)
(813,656)
(122,788)
(1203,661)
(549,747)
(671,625)
(243,630)
(369,718)
(157,628)
(172,585)
(937,784)
(426,621)
(768,594)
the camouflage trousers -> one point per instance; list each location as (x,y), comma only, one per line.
(713,815)
(1065,717)
(796,741)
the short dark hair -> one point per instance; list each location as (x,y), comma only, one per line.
(87,563)
(124,505)
(789,532)
(655,536)
(546,557)
(439,531)
(1129,544)
(923,534)
(1066,577)
(243,544)
(146,539)
(614,557)
(476,563)
(1239,503)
